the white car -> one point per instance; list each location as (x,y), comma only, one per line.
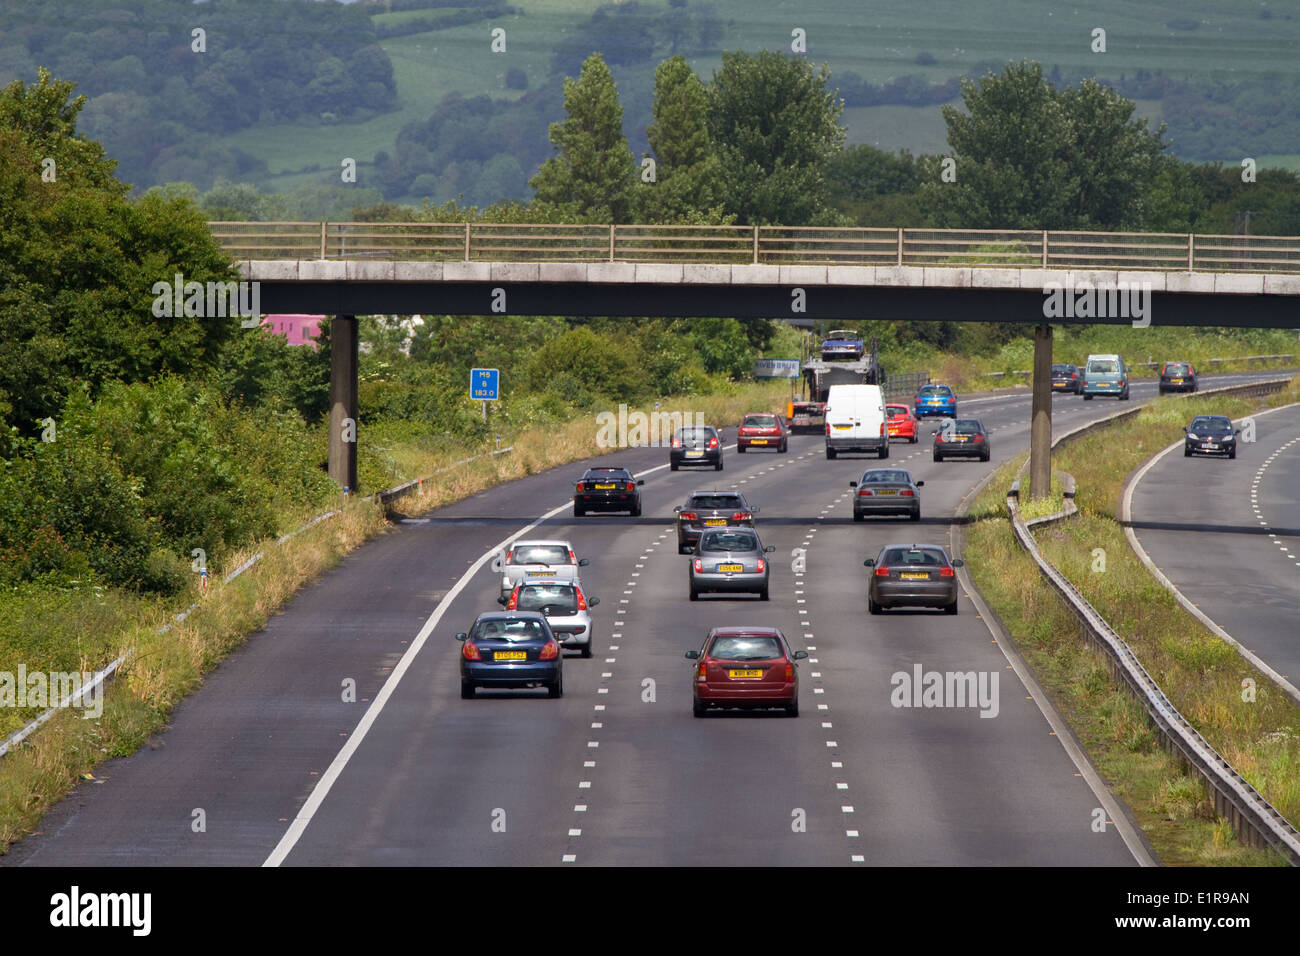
(552,559)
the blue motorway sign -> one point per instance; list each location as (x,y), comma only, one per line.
(483,384)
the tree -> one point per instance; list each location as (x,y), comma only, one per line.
(686,167)
(1029,156)
(593,175)
(776,127)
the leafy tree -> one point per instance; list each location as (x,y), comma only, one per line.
(776,128)
(1029,156)
(593,175)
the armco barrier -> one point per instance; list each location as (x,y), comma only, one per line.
(383,497)
(1234,798)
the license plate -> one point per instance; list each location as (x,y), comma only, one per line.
(888,491)
(914,576)
(728,568)
(961,438)
(843,427)
(1210,444)
(604,487)
(1103,385)
(510,656)
(714,522)
(758,441)
(744,675)
(695,454)
(541,574)
(1176,381)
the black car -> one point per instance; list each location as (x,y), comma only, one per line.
(1177,377)
(1211,435)
(607,489)
(510,649)
(696,445)
(1065,378)
(711,509)
(964,437)
(912,575)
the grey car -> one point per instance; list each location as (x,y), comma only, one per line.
(886,491)
(912,575)
(696,445)
(730,559)
(961,437)
(710,509)
(562,603)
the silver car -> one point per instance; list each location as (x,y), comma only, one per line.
(562,603)
(912,575)
(552,559)
(729,559)
(887,491)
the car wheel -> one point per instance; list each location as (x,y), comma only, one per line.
(830,453)
(783,449)
(884,452)
(466,690)
(673,465)
(762,595)
(695,595)
(951,608)
(1233,453)
(589,648)
(938,457)
(858,516)
(914,438)
(699,709)
(1087,397)
(916,515)
(636,512)
(1123,396)
(740,449)
(1161,390)
(578,512)
(792,708)
(872,606)
(984,457)
(557,689)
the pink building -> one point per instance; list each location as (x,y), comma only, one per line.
(298,329)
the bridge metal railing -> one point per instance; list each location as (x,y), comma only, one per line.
(767,245)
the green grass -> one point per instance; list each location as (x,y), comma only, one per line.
(1200,673)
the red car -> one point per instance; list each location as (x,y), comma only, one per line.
(902,423)
(762,430)
(746,667)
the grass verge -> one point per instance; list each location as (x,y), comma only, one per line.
(1200,673)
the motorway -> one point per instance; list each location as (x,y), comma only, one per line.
(1227,534)
(618,771)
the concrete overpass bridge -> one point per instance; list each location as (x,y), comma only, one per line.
(776,272)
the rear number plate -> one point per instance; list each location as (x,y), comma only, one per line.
(695,454)
(605,487)
(541,574)
(843,426)
(744,675)
(509,656)
(1176,381)
(714,522)
(912,576)
(887,491)
(729,568)
(758,441)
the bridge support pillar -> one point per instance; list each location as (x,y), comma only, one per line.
(1040,429)
(343,401)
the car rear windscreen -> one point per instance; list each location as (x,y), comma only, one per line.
(508,630)
(540,554)
(535,597)
(715,502)
(729,541)
(935,390)
(915,556)
(1107,367)
(967,426)
(761,421)
(1175,369)
(695,433)
(746,647)
(878,477)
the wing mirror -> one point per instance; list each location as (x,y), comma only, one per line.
(593,601)
(958,563)
(869,563)
(502,600)
(920,483)
(800,655)
(583,562)
(641,481)
(770,548)
(692,655)
(853,484)
(461,636)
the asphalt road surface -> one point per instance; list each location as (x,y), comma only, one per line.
(618,771)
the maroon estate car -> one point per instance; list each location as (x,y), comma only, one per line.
(746,667)
(761,430)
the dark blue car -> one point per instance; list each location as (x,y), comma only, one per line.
(935,400)
(842,344)
(510,649)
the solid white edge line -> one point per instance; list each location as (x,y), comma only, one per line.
(1126,515)
(340,762)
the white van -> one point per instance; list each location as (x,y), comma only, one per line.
(855,420)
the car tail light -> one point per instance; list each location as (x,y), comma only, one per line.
(573,558)
(713,442)
(908,493)
(510,555)
(702,672)
(742,516)
(1074,375)
(631,486)
(882,572)
(550,651)
(762,565)
(946,573)
(789,671)
(677,443)
(513,603)
(582,599)
(938,438)
(689,516)
(470,652)
(699,565)
(979,436)
(865,492)
(882,429)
